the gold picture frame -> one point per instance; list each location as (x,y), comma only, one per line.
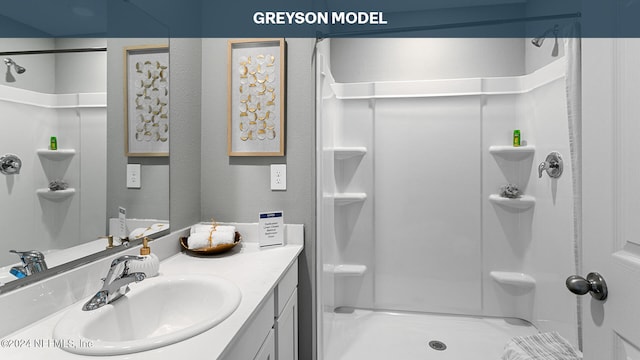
(256,97)
(146,100)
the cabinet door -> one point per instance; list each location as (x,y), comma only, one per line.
(267,351)
(287,330)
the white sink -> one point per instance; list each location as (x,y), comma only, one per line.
(156,312)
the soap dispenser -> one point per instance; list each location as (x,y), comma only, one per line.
(150,265)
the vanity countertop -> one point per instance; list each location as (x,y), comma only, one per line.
(254,270)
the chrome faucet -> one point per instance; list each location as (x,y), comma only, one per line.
(32,262)
(116,283)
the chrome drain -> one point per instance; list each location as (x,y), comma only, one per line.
(437,345)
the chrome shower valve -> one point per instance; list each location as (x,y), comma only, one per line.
(10,164)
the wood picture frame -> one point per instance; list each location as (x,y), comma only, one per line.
(146,100)
(256,97)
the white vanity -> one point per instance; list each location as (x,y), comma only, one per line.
(263,326)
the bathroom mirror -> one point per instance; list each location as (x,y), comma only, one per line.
(64,90)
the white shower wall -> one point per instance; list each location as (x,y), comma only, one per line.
(426,232)
(79,122)
(62,95)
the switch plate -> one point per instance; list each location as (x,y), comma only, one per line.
(278,177)
(133,176)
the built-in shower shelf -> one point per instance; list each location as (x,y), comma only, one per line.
(522,203)
(512,152)
(342,153)
(56,195)
(56,154)
(348,198)
(513,278)
(347,269)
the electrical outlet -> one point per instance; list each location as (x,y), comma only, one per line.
(133,176)
(278,177)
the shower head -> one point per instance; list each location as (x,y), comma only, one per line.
(539,40)
(19,69)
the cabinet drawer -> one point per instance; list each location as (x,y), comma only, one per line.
(285,288)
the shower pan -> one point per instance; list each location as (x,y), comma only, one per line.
(414,242)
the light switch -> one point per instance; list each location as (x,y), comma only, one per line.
(133,176)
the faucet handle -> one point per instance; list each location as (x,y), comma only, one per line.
(29,254)
(114,266)
(125,258)
(32,261)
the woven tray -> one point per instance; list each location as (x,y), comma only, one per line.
(222,248)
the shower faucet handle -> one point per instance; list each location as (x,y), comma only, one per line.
(553,165)
(10,164)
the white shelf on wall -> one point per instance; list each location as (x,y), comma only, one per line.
(346,269)
(56,195)
(56,154)
(513,278)
(342,153)
(522,203)
(512,152)
(348,198)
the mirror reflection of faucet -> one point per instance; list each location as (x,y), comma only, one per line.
(114,241)
(32,262)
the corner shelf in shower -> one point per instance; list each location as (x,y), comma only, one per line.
(513,278)
(522,203)
(512,152)
(56,195)
(348,198)
(343,153)
(56,155)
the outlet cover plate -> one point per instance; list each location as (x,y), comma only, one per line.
(133,176)
(278,177)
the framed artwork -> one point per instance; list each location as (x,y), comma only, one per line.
(256,107)
(146,99)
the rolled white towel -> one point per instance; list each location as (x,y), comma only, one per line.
(226,228)
(201,228)
(137,233)
(152,229)
(222,237)
(198,240)
(158,227)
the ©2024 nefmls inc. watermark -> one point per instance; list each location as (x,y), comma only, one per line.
(45,343)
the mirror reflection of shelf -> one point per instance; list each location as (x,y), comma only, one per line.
(513,278)
(57,194)
(521,203)
(56,154)
(348,198)
(346,269)
(512,152)
(342,153)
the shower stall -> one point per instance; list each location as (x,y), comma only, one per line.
(419,254)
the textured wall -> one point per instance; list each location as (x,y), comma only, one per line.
(237,188)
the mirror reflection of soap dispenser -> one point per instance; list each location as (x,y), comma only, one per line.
(150,265)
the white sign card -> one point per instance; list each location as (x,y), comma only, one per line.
(271,228)
(122,222)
